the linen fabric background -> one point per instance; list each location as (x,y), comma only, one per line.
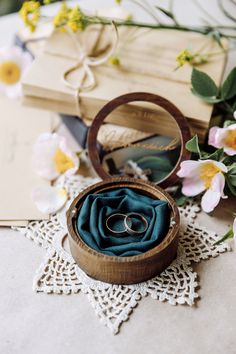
(91,222)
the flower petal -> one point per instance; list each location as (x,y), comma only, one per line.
(188,168)
(212,196)
(218,183)
(43,151)
(217,138)
(193,186)
(229,151)
(49,199)
(210,200)
(212,137)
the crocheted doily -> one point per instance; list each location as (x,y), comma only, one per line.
(114,303)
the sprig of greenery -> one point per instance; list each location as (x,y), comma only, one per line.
(204,87)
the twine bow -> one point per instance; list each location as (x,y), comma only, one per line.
(86,62)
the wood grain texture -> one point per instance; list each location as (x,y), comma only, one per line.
(184,131)
(123,270)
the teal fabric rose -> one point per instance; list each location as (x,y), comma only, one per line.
(91,222)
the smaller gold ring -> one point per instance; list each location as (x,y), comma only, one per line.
(129,228)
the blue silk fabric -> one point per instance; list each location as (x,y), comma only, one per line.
(91,222)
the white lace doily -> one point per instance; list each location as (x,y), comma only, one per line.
(114,303)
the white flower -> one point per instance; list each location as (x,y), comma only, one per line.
(224,138)
(49,199)
(13,63)
(234,114)
(52,157)
(204,175)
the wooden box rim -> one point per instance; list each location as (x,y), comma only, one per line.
(120,182)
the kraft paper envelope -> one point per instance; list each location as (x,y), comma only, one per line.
(19,128)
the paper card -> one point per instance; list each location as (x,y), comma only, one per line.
(15,223)
(19,128)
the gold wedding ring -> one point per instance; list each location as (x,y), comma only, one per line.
(127,219)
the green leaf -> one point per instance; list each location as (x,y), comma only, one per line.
(229,160)
(207,99)
(216,155)
(166,12)
(193,146)
(232,169)
(232,180)
(227,123)
(228,89)
(231,187)
(160,167)
(203,85)
(180,201)
(234,106)
(179,198)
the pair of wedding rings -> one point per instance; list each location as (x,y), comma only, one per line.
(128,227)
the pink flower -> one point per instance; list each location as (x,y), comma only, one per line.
(204,175)
(224,138)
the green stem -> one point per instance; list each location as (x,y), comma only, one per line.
(202,30)
(228,235)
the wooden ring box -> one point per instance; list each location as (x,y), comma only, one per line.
(133,269)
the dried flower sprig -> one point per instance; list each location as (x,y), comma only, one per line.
(185,56)
(78,20)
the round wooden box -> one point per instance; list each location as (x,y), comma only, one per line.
(133,269)
(124,270)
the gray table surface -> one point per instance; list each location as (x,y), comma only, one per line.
(33,323)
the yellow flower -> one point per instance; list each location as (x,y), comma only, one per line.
(114,60)
(47,2)
(30,14)
(76,20)
(184,57)
(60,20)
